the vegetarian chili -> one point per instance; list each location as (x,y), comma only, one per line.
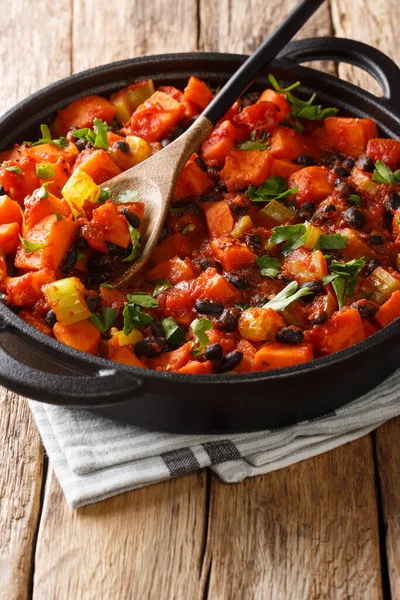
(282,243)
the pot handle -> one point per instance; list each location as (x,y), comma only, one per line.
(382,68)
(77,384)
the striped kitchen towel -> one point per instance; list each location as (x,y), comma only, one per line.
(95,458)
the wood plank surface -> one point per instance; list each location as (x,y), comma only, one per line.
(40,31)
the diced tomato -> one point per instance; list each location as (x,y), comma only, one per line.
(198,92)
(283,105)
(107,225)
(172,361)
(155,118)
(257,117)
(177,244)
(19,184)
(37,207)
(51,153)
(305,266)
(173,270)
(342,330)
(39,324)
(26,290)
(386,150)
(249,353)
(222,139)
(81,113)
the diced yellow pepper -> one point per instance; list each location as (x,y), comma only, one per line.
(259,324)
(139,148)
(119,339)
(128,99)
(67,300)
(363,182)
(79,190)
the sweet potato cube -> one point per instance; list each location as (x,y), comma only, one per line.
(246,167)
(284,168)
(219,218)
(83,336)
(349,135)
(56,236)
(386,150)
(81,113)
(10,211)
(389,311)
(157,116)
(342,330)
(172,361)
(222,139)
(107,225)
(51,153)
(192,181)
(173,270)
(125,356)
(98,164)
(258,117)
(283,105)
(176,244)
(274,355)
(312,183)
(37,207)
(232,254)
(198,92)
(289,145)
(195,367)
(9,239)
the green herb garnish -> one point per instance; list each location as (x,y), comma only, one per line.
(293,235)
(105,321)
(255,144)
(136,248)
(13,169)
(46,139)
(97,136)
(173,333)
(160,285)
(383,174)
(142,299)
(344,278)
(31,247)
(105,194)
(269,267)
(199,328)
(58,216)
(274,188)
(355,199)
(42,191)
(289,294)
(133,317)
(44,172)
(332,242)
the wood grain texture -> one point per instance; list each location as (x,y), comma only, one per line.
(143,544)
(308,531)
(21,460)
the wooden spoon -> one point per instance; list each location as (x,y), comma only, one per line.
(153,181)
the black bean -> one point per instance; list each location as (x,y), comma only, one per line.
(239,282)
(200,163)
(393,201)
(335,159)
(365,163)
(306,161)
(376,239)
(314,287)
(97,278)
(208,307)
(213,352)
(371,266)
(221,187)
(289,335)
(365,307)
(354,217)
(255,243)
(259,300)
(150,347)
(230,361)
(348,163)
(69,260)
(157,329)
(341,172)
(206,263)
(163,234)
(329,208)
(320,318)
(213,172)
(2,297)
(81,144)
(344,189)
(228,321)
(93,301)
(132,218)
(115,130)
(306,211)
(101,263)
(122,146)
(238,210)
(115,250)
(50,318)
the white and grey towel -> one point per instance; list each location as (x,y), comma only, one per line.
(95,458)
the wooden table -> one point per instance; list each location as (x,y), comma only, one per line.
(326,528)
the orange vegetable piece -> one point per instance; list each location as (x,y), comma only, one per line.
(83,336)
(219,218)
(260,324)
(249,353)
(283,105)
(369,328)
(274,355)
(107,225)
(246,167)
(36,208)
(26,290)
(172,361)
(56,182)
(289,145)
(14,154)
(389,311)
(136,207)
(98,164)
(192,181)
(9,239)
(50,153)
(125,356)
(81,113)
(216,147)
(312,183)
(257,117)
(155,117)
(191,109)
(39,324)
(304,265)
(198,92)
(18,185)
(217,337)
(197,368)
(173,270)
(3,265)
(284,168)
(349,135)
(10,211)
(232,254)
(176,244)
(57,238)
(112,298)
(342,330)
(386,150)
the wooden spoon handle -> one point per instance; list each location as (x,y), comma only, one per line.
(264,54)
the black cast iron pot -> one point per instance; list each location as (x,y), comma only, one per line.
(37,366)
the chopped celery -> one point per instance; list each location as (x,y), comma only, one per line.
(312,236)
(278,212)
(380,285)
(363,182)
(79,190)
(243,225)
(66,298)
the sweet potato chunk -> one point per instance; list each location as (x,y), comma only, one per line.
(386,150)
(219,218)
(349,135)
(288,145)
(389,311)
(192,181)
(198,92)
(98,164)
(173,270)
(222,139)
(83,336)
(81,113)
(274,355)
(342,330)
(246,167)
(10,211)
(232,254)
(312,183)
(9,237)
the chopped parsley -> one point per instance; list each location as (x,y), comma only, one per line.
(42,191)
(144,300)
(334,241)
(105,194)
(58,216)
(160,285)
(383,174)
(355,199)
(173,333)
(97,136)
(13,169)
(269,267)
(344,278)
(289,294)
(136,248)
(46,139)
(292,235)
(105,321)
(31,247)
(133,317)
(199,328)
(274,188)
(255,144)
